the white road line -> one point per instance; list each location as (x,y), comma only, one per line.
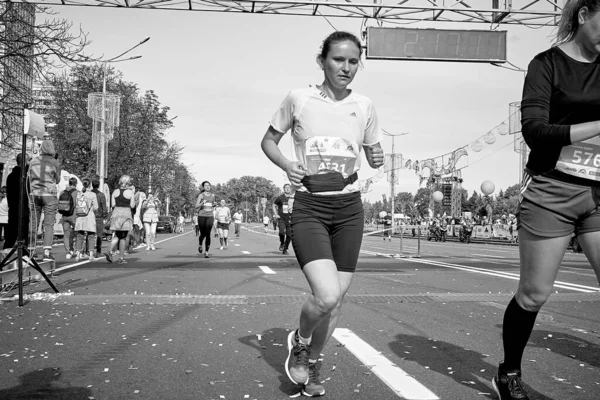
(266,269)
(400,382)
(245,252)
(500,274)
(236,245)
(508,275)
(487,255)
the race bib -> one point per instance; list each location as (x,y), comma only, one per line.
(284,208)
(208,206)
(222,215)
(581,159)
(325,153)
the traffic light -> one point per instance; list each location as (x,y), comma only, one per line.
(447,192)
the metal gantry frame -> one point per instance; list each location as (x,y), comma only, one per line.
(520,12)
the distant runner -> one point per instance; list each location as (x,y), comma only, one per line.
(223,215)
(281,208)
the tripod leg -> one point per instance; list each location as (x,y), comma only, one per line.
(6,259)
(37,267)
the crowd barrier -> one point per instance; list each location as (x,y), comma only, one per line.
(494,231)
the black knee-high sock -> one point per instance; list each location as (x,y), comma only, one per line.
(225,240)
(221,240)
(516,329)
(282,238)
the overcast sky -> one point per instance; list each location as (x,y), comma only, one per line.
(223,75)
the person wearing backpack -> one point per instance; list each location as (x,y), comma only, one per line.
(44,175)
(85,224)
(101,214)
(66,207)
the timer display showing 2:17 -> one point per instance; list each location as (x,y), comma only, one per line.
(436,44)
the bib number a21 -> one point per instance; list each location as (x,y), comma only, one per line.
(332,166)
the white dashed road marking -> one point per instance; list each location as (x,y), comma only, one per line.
(266,269)
(245,252)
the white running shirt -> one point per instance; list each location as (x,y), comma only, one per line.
(328,135)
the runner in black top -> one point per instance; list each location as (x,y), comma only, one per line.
(282,213)
(561,186)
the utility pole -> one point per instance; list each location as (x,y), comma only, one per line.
(393,170)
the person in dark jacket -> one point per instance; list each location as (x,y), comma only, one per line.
(68,221)
(101,214)
(13,195)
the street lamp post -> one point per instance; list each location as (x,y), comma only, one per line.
(523,150)
(102,139)
(393,170)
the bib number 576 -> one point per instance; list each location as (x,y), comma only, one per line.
(584,157)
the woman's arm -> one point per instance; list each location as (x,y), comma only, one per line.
(270,146)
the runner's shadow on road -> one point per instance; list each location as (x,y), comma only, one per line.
(44,384)
(273,354)
(567,345)
(466,365)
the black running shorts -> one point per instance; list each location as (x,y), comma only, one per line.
(328,228)
(222,225)
(552,208)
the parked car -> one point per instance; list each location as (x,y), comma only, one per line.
(165,224)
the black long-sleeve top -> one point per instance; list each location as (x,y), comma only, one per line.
(558,92)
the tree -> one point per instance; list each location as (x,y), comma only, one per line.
(245,193)
(31,51)
(421,201)
(139,148)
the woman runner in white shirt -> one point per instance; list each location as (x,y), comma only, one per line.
(329,124)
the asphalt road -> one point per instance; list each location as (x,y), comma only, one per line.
(171,324)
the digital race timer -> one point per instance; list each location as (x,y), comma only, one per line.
(436,45)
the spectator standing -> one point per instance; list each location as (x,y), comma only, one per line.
(3,212)
(121,220)
(85,224)
(44,175)
(150,208)
(66,207)
(13,197)
(101,214)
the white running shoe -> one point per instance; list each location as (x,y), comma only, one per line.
(221,248)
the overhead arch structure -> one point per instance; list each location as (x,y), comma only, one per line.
(533,13)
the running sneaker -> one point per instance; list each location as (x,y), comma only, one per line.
(153,248)
(221,248)
(48,257)
(206,255)
(69,255)
(314,386)
(122,261)
(108,257)
(285,252)
(281,247)
(200,249)
(296,364)
(508,385)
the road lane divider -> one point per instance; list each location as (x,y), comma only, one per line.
(266,269)
(501,274)
(398,380)
(245,252)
